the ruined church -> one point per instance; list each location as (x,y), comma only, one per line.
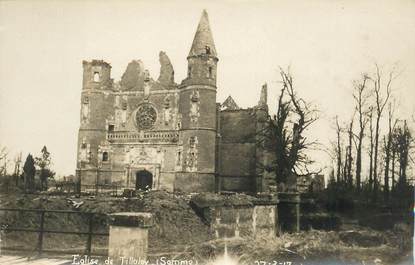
(144,133)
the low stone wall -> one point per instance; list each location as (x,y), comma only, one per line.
(237,215)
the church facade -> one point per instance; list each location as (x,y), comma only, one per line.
(142,133)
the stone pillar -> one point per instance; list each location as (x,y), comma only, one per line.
(128,240)
(265,215)
(297,214)
(289,211)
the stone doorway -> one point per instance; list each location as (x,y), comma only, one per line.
(143,180)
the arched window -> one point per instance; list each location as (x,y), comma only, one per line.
(96,76)
(210,72)
(105,156)
(207,48)
(189,71)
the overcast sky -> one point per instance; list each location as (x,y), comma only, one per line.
(327,44)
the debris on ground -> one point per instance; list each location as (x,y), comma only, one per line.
(75,204)
(180,231)
(362,238)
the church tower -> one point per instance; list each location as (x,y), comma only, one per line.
(198,109)
(95,106)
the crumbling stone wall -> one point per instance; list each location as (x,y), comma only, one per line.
(166,76)
(237,215)
(240,141)
(133,77)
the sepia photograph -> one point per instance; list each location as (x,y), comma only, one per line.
(235,132)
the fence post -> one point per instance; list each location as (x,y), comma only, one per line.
(89,241)
(40,240)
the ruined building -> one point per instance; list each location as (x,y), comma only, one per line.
(145,133)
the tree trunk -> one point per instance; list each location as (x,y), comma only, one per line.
(393,169)
(371,156)
(375,160)
(387,161)
(359,161)
(339,153)
(350,158)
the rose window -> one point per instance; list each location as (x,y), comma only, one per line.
(146,117)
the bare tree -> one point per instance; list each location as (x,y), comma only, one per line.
(394,150)
(371,147)
(17,165)
(361,97)
(293,118)
(338,151)
(388,149)
(380,103)
(349,157)
(404,145)
(3,161)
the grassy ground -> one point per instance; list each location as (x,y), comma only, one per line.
(311,247)
(180,234)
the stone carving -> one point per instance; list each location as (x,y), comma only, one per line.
(85,110)
(146,117)
(192,155)
(166,101)
(124,105)
(117,101)
(84,150)
(146,84)
(137,156)
(179,121)
(120,117)
(167,116)
(167,110)
(179,158)
(194,106)
(194,97)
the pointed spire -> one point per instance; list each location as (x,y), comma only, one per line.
(203,40)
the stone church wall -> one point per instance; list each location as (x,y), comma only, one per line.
(193,181)
(237,143)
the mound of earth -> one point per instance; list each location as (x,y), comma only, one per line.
(176,224)
(203,200)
